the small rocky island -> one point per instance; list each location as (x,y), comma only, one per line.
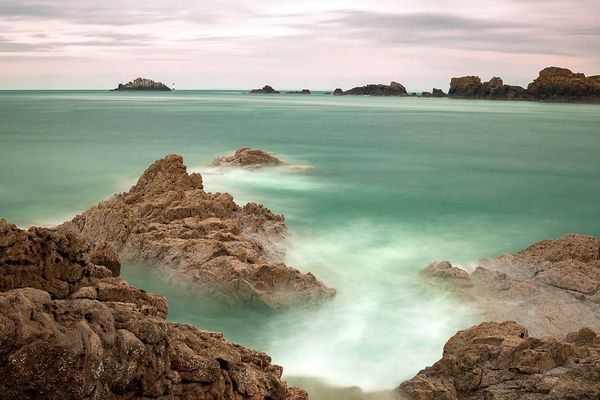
(303,91)
(265,90)
(142,84)
(393,89)
(553,84)
(249,158)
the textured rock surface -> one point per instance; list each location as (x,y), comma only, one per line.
(554,83)
(230,252)
(143,84)
(393,89)
(96,337)
(501,361)
(552,287)
(265,90)
(471,87)
(247,157)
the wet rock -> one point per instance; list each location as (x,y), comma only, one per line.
(501,361)
(265,90)
(230,252)
(247,157)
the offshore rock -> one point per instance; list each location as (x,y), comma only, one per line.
(552,287)
(265,90)
(70,330)
(230,252)
(501,361)
(434,93)
(247,157)
(560,84)
(142,84)
(471,87)
(393,89)
(303,91)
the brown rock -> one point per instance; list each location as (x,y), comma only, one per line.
(560,84)
(247,157)
(501,361)
(168,221)
(108,340)
(471,87)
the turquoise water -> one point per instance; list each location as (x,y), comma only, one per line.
(395,183)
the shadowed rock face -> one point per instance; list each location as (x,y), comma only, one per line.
(552,287)
(142,84)
(501,361)
(71,330)
(265,90)
(393,89)
(434,93)
(247,157)
(230,252)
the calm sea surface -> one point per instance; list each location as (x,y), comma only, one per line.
(395,183)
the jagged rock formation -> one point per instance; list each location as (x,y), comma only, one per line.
(393,89)
(265,90)
(560,84)
(142,84)
(303,91)
(69,329)
(501,361)
(247,157)
(434,93)
(471,87)
(230,252)
(552,287)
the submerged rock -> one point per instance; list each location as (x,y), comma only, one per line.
(501,361)
(71,330)
(265,90)
(230,252)
(247,157)
(552,287)
(143,84)
(393,89)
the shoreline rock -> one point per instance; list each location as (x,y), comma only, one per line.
(249,158)
(265,90)
(393,89)
(142,84)
(235,254)
(69,329)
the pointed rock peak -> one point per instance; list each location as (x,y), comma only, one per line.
(168,173)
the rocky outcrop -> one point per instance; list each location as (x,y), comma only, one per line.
(560,84)
(247,157)
(142,84)
(303,91)
(265,90)
(69,329)
(230,252)
(471,87)
(393,89)
(434,93)
(552,287)
(501,361)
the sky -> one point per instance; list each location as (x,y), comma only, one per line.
(315,44)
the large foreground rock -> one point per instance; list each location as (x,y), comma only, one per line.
(393,89)
(247,157)
(70,329)
(561,84)
(230,252)
(552,287)
(500,361)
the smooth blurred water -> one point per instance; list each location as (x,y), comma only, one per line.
(395,183)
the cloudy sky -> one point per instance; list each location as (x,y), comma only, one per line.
(317,44)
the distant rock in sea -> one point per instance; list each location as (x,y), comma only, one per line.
(265,90)
(142,84)
(303,91)
(393,89)
(230,252)
(553,84)
(499,360)
(434,93)
(247,157)
(72,329)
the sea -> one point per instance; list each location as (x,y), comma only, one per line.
(379,188)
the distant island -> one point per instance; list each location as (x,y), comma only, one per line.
(303,91)
(142,84)
(393,89)
(265,90)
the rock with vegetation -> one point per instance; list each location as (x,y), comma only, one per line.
(70,329)
(393,89)
(142,84)
(499,360)
(230,252)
